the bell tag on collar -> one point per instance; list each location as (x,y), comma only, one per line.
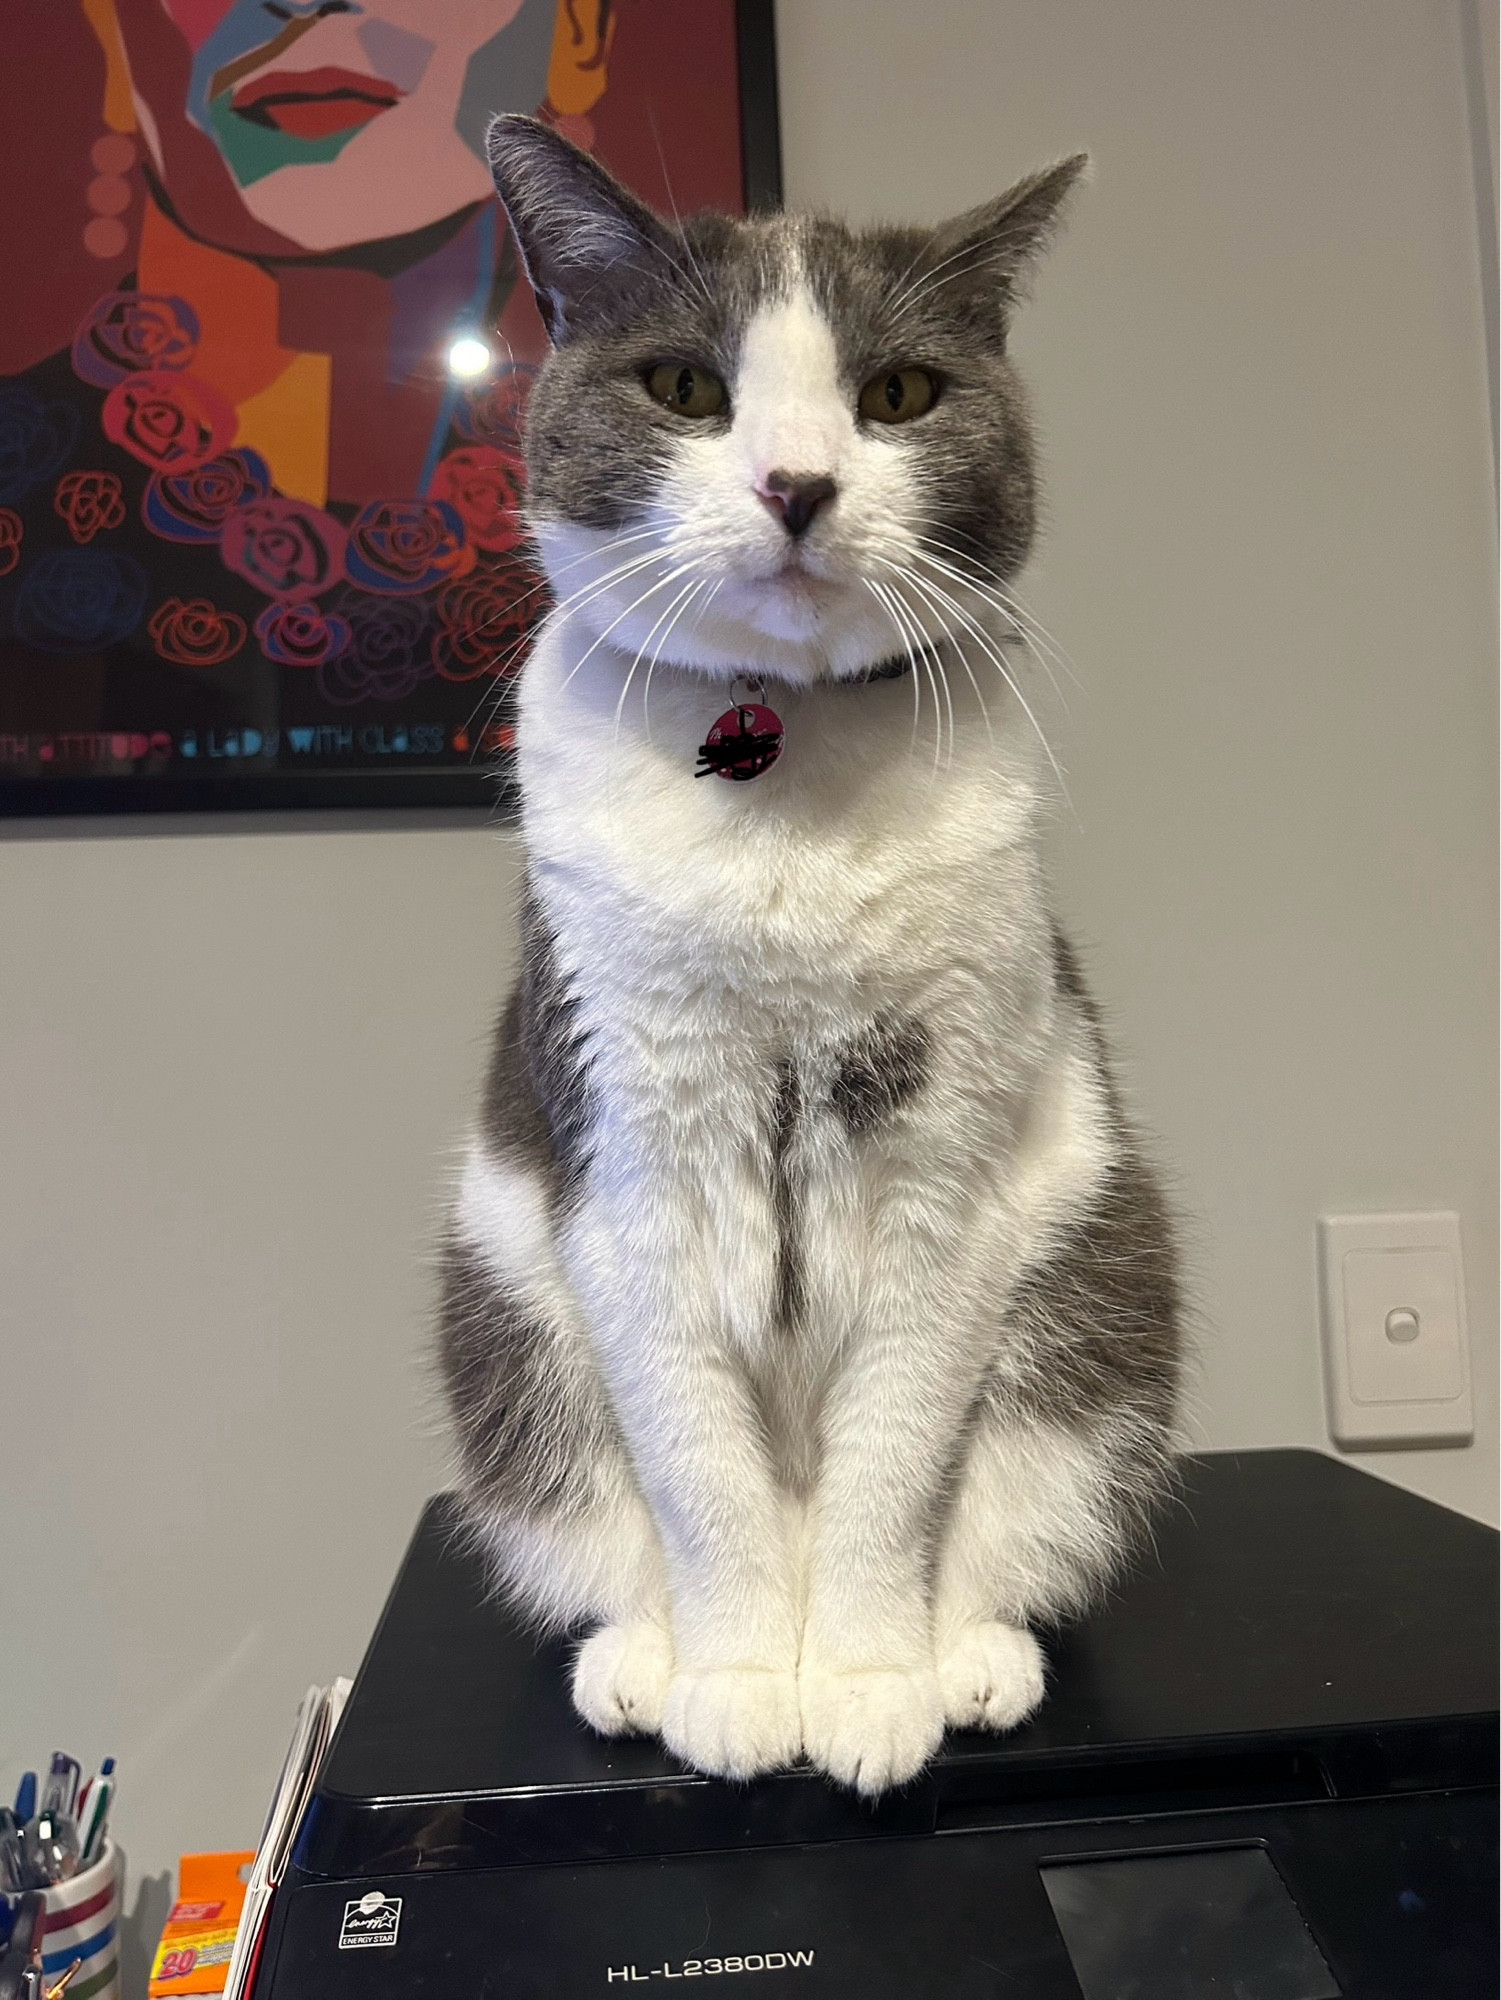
(746,740)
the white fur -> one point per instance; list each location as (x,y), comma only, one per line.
(765,1566)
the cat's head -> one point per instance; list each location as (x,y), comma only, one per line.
(777,443)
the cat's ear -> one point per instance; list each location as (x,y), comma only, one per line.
(996,243)
(579,232)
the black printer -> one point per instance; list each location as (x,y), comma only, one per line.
(1265,1770)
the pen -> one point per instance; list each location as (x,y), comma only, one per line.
(26,1797)
(62,1783)
(100,1792)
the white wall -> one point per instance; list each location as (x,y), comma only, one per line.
(1258,363)
(231,1066)
(232,1071)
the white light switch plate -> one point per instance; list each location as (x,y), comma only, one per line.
(1396,1355)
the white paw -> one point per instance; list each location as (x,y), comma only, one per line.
(733,1721)
(871,1729)
(620,1679)
(992,1676)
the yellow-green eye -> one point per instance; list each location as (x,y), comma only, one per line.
(898,397)
(692,392)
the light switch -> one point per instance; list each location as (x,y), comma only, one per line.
(1396,1361)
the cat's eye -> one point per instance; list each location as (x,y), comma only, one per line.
(691,392)
(898,397)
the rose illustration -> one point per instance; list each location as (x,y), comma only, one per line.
(300,635)
(284,547)
(74,601)
(388,654)
(131,331)
(195,633)
(12,530)
(407,545)
(192,506)
(495,413)
(167,421)
(484,486)
(90,503)
(35,439)
(484,620)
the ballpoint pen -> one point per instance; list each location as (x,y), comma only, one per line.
(62,1783)
(94,1818)
(26,1797)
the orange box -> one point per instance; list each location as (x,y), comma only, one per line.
(193,1956)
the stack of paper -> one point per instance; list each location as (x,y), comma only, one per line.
(317,1719)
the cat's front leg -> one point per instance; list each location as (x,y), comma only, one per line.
(871,1696)
(696,1441)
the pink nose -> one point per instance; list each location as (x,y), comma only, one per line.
(795,497)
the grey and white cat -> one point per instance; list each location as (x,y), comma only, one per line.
(810,1325)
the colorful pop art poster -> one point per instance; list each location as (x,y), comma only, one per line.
(264,365)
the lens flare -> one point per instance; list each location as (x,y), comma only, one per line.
(468,357)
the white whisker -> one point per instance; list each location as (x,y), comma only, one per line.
(1015,629)
(661,646)
(887,603)
(635,605)
(935,605)
(992,652)
(932,666)
(685,594)
(1009,601)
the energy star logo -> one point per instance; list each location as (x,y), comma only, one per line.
(374,1920)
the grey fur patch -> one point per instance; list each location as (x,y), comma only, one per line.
(880,1072)
(1093,1346)
(538,1103)
(1094,1330)
(785,1116)
(527,1435)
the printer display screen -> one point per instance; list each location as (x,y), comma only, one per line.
(1186,1926)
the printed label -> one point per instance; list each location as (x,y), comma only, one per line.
(374,1920)
(711,1968)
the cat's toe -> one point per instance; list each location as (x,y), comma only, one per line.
(871,1729)
(992,1676)
(621,1677)
(733,1721)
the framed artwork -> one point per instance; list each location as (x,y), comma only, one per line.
(263,369)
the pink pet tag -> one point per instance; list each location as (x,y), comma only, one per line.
(743,742)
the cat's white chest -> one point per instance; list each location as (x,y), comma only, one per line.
(846,873)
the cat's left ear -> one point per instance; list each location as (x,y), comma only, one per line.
(582,236)
(996,243)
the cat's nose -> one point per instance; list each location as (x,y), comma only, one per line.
(795,497)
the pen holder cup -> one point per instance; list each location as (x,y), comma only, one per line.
(83,1921)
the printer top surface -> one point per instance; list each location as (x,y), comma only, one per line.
(1289,1595)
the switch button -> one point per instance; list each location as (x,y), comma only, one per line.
(1395,1353)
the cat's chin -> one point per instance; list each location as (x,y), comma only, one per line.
(829,649)
(795,627)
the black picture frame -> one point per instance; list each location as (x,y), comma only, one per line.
(487,792)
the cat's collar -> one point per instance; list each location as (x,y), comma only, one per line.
(883,670)
(747,739)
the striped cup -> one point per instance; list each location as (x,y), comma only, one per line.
(83,1921)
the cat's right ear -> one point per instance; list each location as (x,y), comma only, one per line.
(581,234)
